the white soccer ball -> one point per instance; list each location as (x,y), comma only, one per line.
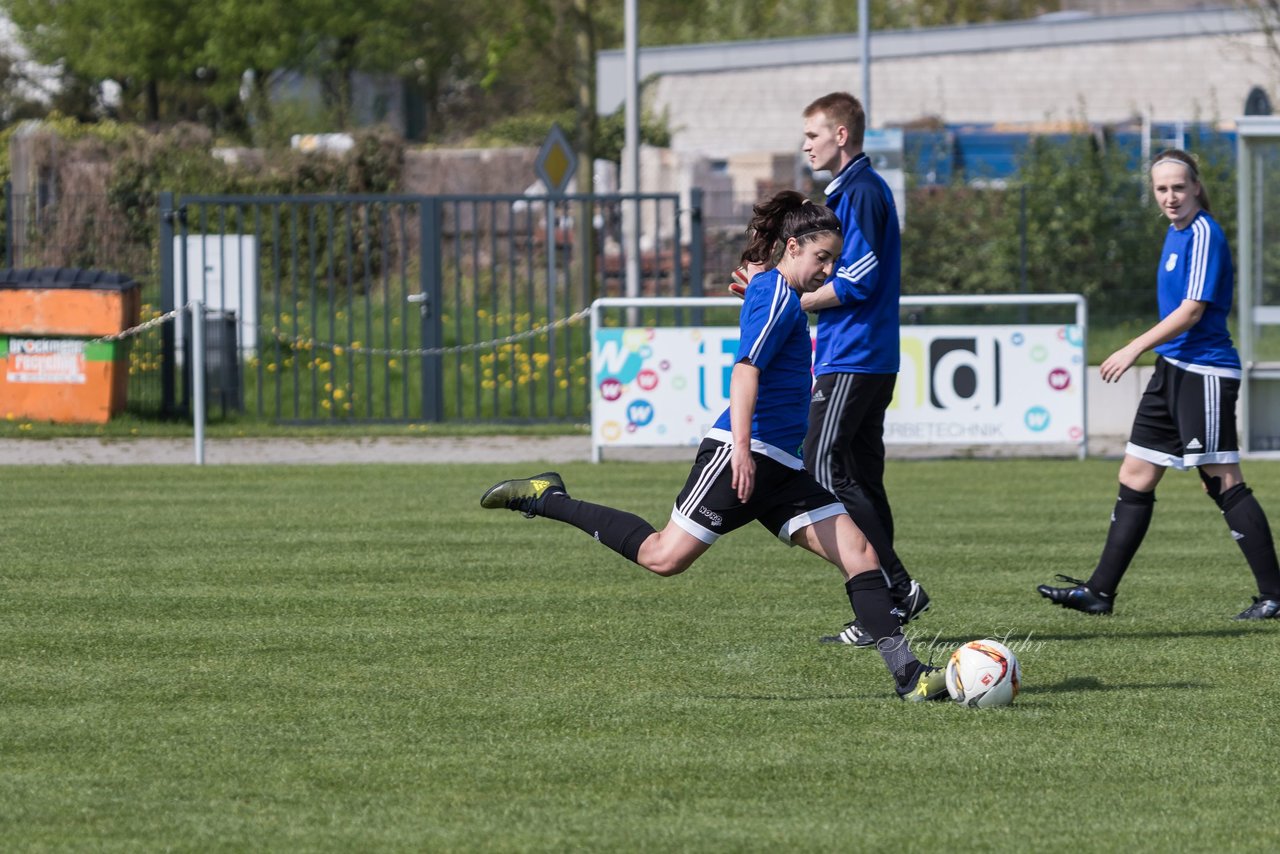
(982,674)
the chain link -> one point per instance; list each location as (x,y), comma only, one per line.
(141,327)
(311,343)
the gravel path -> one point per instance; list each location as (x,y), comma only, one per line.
(489,449)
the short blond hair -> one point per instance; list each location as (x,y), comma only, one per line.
(842,110)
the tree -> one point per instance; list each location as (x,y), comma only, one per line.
(141,44)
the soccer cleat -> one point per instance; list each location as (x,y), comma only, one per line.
(1078,597)
(928,683)
(1261,609)
(906,608)
(852,634)
(911,604)
(526,494)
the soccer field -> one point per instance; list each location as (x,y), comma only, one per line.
(341,658)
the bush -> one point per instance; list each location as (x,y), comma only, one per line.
(1079,218)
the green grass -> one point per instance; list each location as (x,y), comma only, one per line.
(359,658)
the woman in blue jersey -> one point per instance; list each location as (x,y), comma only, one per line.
(1187,414)
(748,466)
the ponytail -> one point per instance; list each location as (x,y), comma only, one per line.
(788,214)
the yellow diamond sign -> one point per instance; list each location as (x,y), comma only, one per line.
(556,161)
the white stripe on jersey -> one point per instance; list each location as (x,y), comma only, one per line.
(779,299)
(1198,259)
(855,271)
(1204,370)
(719,459)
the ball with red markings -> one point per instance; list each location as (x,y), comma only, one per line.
(982,674)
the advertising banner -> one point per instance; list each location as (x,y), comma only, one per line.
(965,385)
(45,360)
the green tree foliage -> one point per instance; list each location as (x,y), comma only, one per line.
(1078,218)
(472,63)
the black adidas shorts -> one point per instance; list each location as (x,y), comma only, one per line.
(1186,419)
(785,500)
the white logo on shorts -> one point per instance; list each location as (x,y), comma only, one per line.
(716,519)
(1172,262)
(1194,445)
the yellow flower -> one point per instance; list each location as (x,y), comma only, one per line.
(337,350)
(338,394)
(324,404)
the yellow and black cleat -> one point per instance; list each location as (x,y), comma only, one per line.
(524,495)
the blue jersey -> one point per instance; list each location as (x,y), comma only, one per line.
(774,337)
(860,336)
(1196,264)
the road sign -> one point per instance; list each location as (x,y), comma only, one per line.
(556,161)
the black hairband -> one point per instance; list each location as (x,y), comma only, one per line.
(815,230)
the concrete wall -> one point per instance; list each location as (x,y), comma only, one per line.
(1110,406)
(725,99)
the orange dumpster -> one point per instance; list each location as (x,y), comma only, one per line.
(54,369)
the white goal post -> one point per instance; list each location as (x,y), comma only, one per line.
(968,385)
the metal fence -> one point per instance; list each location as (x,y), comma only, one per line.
(405,308)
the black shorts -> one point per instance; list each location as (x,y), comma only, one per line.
(1186,418)
(784,500)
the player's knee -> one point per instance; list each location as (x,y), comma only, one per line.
(1233,496)
(1224,498)
(667,565)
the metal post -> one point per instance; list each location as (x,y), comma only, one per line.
(1250,258)
(8,225)
(197,376)
(168,340)
(864,60)
(552,276)
(631,153)
(430,298)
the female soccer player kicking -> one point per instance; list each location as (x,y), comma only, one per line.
(1187,414)
(747,467)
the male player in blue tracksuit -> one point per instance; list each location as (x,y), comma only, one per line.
(856,363)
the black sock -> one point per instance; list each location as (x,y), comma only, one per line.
(872,605)
(619,530)
(1129,522)
(864,515)
(1253,535)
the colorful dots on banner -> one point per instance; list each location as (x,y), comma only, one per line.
(1037,419)
(611,389)
(1017,339)
(639,414)
(1039,353)
(1059,379)
(647,380)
